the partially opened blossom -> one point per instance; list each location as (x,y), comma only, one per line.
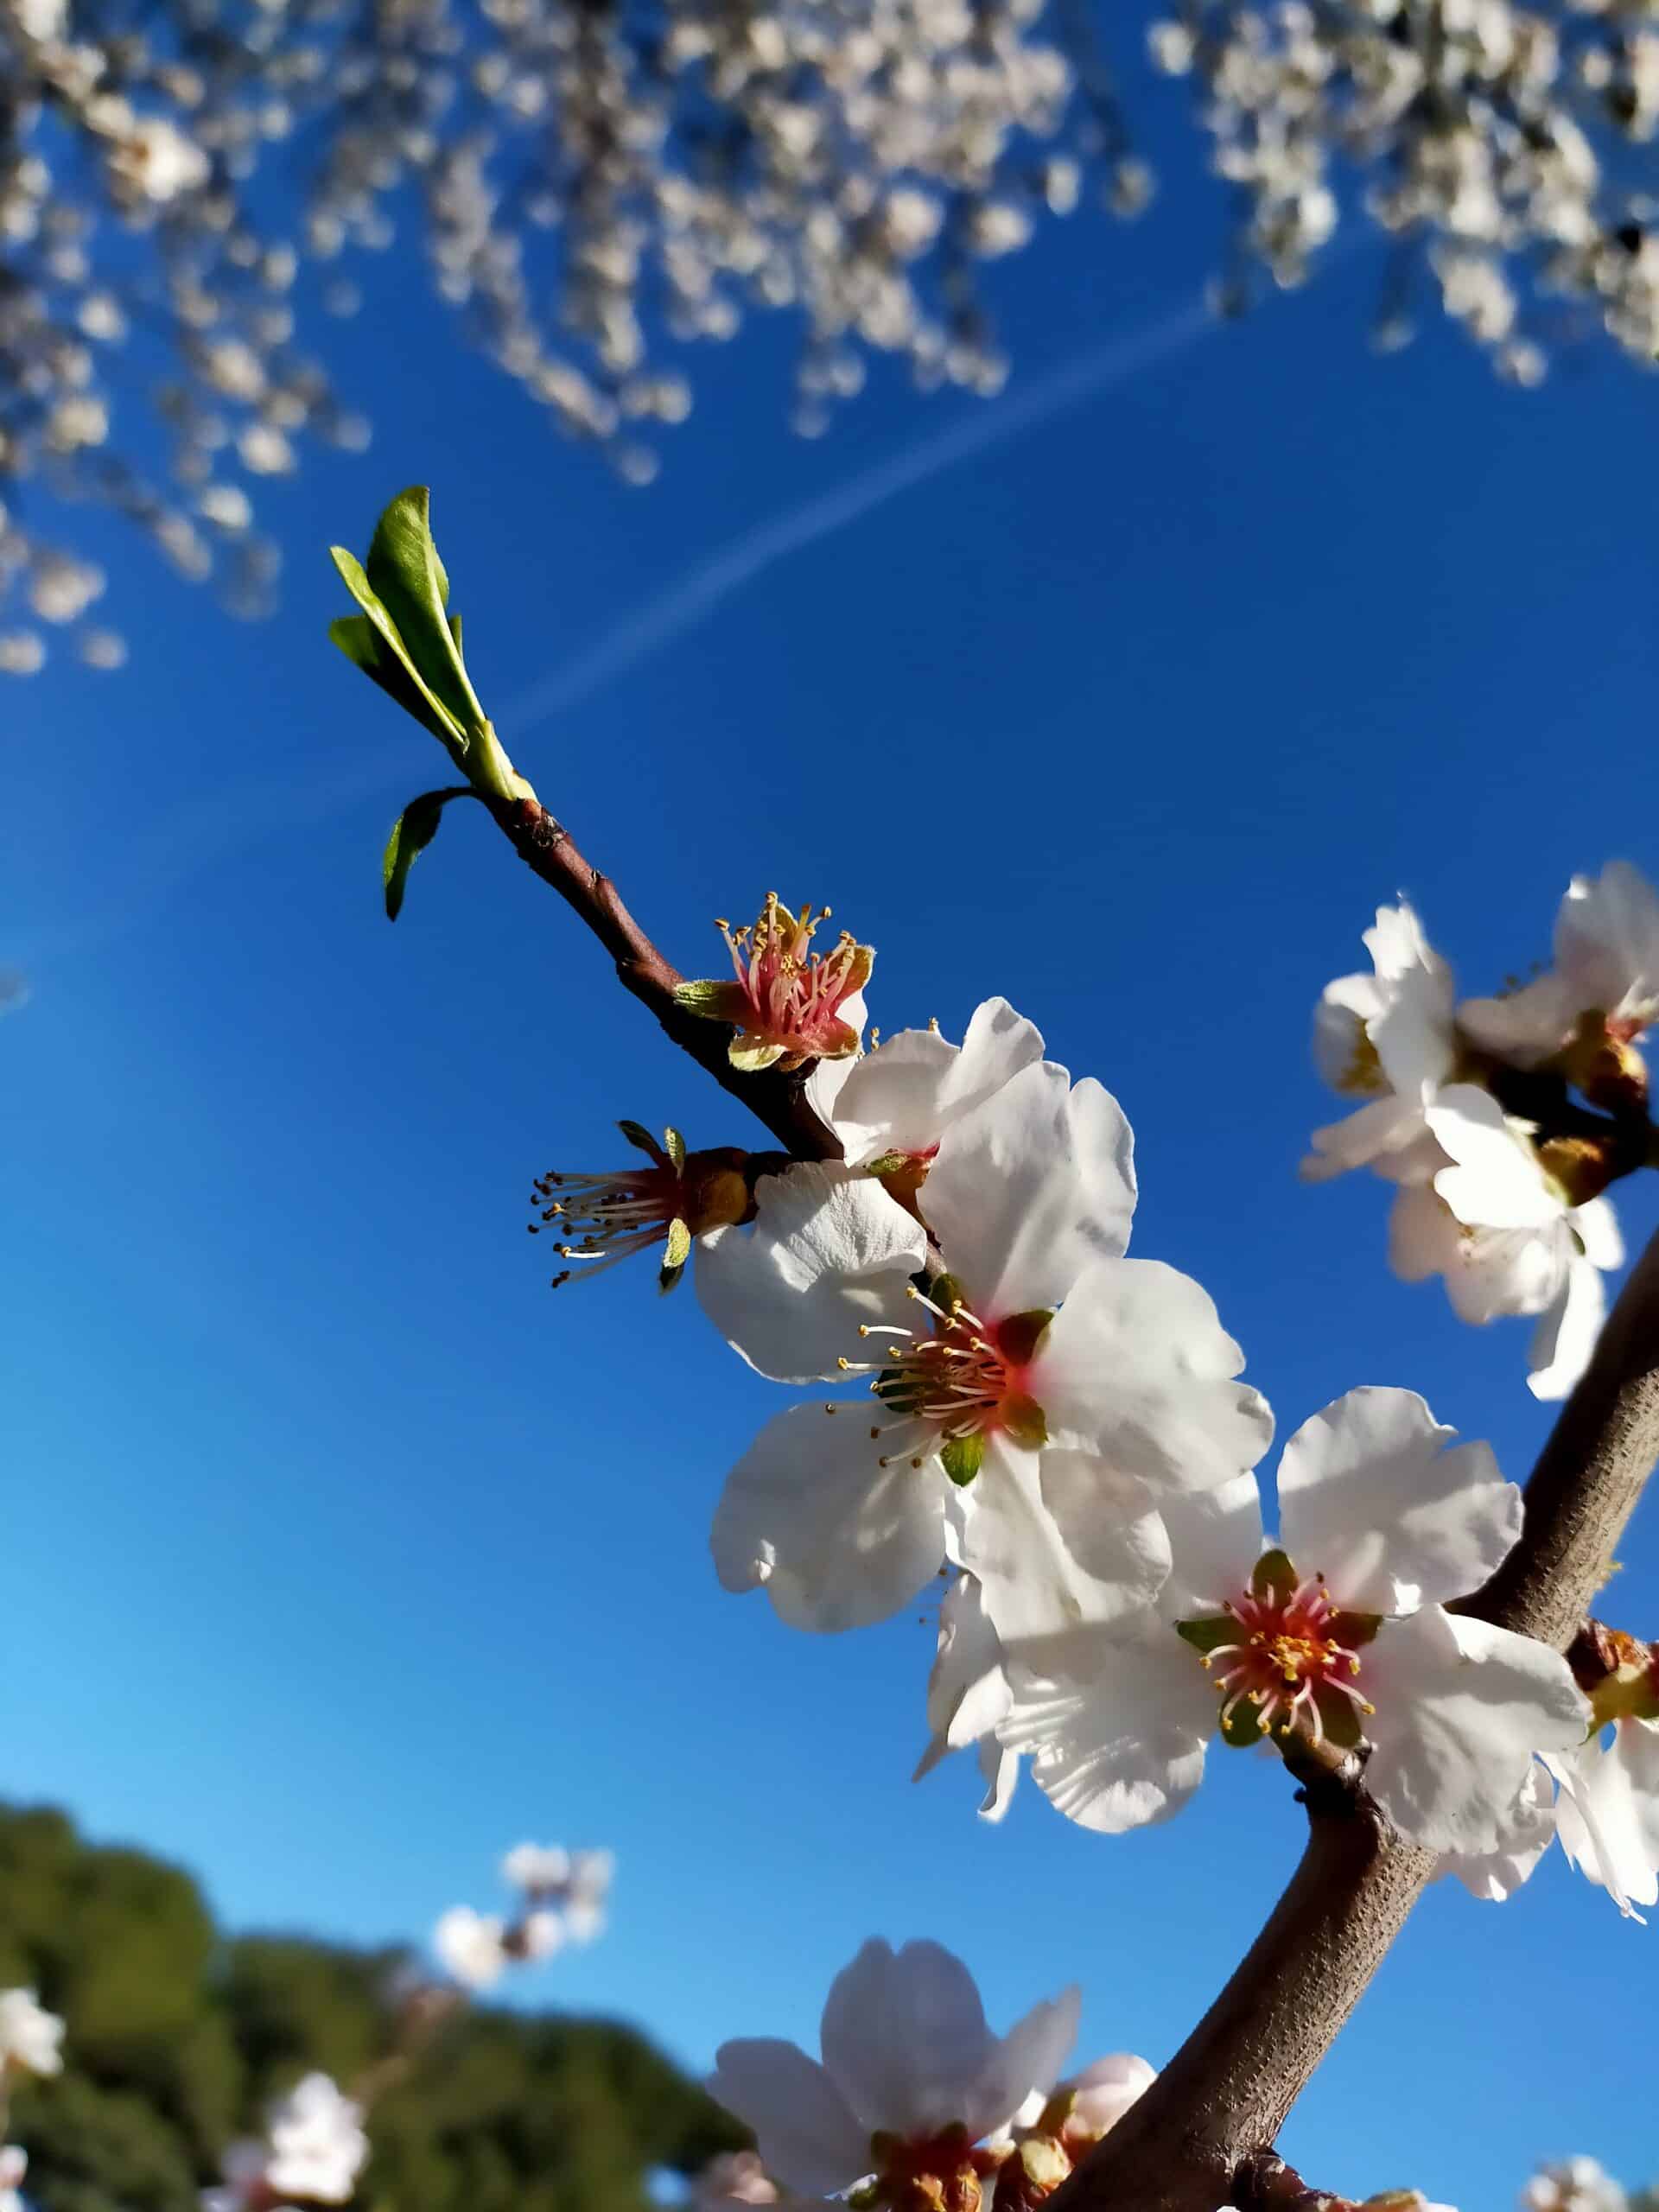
(1388,1040)
(733,2177)
(1506,1238)
(1604,988)
(472,1945)
(1092,2103)
(891,1107)
(29,2035)
(1036,1356)
(909,2081)
(668,1201)
(1338,1636)
(787,1003)
(968,1695)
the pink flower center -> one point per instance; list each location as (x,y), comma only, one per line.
(1291,1650)
(965,1377)
(794,994)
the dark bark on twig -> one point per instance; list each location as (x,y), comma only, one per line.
(1265,2183)
(779,1101)
(1229,2088)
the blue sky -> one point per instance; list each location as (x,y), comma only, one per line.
(343,1556)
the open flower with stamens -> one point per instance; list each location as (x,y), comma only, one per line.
(1338,1636)
(891,1107)
(1387,1040)
(787,1003)
(670,1201)
(1035,1356)
(912,2082)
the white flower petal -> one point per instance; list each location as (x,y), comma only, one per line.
(1566,1332)
(1369,1135)
(1607,941)
(1608,1814)
(827,1249)
(1137,1368)
(808,2134)
(1495,1181)
(1524,1027)
(1461,1709)
(1339,1038)
(1494,1876)
(1596,1226)
(838,1540)
(904,1096)
(1371,1498)
(1110,1528)
(1031,1582)
(1115,1724)
(1215,1540)
(1029,1187)
(1412,1034)
(905,2039)
(1030,2057)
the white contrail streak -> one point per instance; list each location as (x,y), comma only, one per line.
(693,598)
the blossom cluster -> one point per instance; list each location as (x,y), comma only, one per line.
(1000,1396)
(596,188)
(1502,1122)
(30,2043)
(562,1896)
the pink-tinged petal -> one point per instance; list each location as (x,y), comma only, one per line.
(1116,1725)
(1527,1026)
(1462,1708)
(1031,2057)
(1106,2089)
(905,2038)
(1494,1876)
(837,1540)
(1215,1540)
(828,1250)
(1608,1814)
(1137,1368)
(1029,1187)
(808,2136)
(1375,1495)
(1110,1526)
(1566,1332)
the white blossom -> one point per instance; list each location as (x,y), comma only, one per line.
(1606,965)
(1339,1634)
(1580,2184)
(14,2164)
(1387,1038)
(1607,1814)
(29,2035)
(470,1944)
(906,2053)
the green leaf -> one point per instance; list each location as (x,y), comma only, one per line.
(1273,1577)
(963,1458)
(406,575)
(1209,1633)
(391,650)
(411,833)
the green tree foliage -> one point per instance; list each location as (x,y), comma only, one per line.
(179,2035)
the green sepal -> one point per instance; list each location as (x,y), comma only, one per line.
(713,999)
(411,833)
(406,575)
(1208,1633)
(1241,1726)
(1024,1420)
(674,1146)
(1339,1718)
(1273,1577)
(946,1292)
(887,1163)
(1355,1629)
(642,1140)
(961,1458)
(753,1055)
(1020,1335)
(895,1388)
(677,1251)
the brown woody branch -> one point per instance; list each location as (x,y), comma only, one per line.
(1202,2126)
(779,1101)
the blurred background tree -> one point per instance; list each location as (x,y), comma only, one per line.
(178,2036)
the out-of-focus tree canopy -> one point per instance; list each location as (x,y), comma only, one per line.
(178,2035)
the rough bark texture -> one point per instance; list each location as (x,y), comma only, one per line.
(1195,2138)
